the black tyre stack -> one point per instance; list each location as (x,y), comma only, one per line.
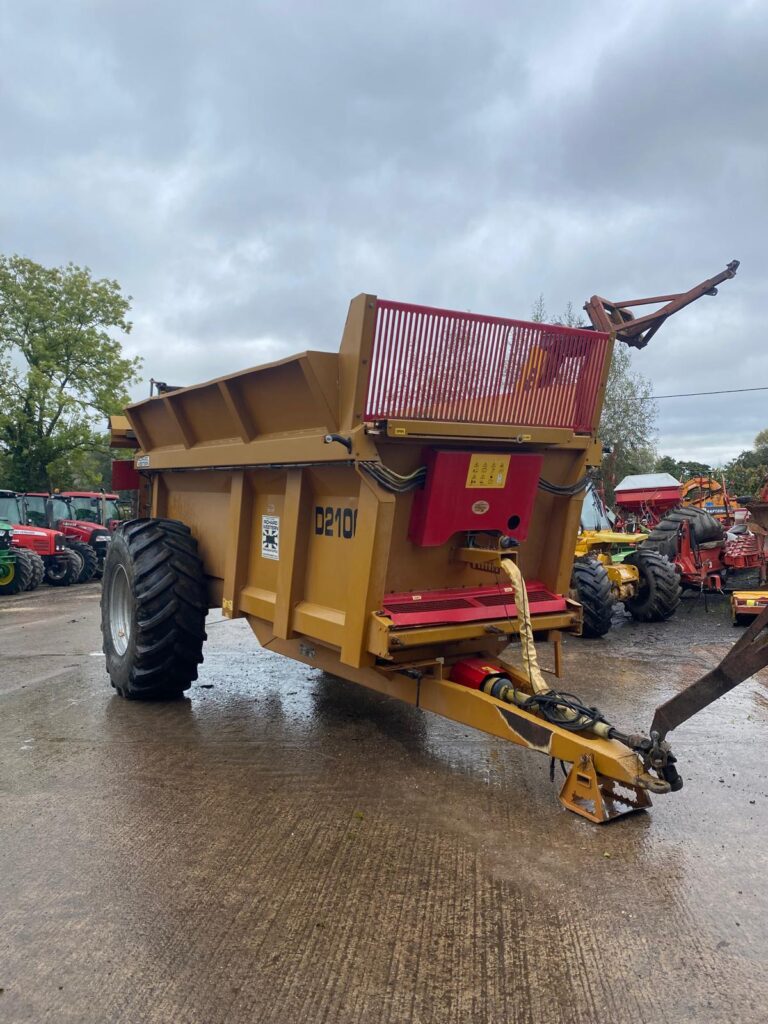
(705,529)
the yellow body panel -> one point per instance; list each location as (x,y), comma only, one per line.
(747,603)
(599,544)
(590,540)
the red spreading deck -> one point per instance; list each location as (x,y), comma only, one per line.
(436,607)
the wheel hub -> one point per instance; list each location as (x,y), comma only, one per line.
(120,610)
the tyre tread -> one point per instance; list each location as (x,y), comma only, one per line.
(660,592)
(171,606)
(25,569)
(590,580)
(663,537)
(89,557)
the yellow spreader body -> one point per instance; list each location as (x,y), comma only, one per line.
(395,514)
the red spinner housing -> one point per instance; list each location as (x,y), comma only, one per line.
(473,672)
(474,491)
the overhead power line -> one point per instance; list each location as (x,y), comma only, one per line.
(696,394)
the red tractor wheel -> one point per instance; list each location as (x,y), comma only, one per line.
(63,569)
(88,558)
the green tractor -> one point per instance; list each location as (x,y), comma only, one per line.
(10,578)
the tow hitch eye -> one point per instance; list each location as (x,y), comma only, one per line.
(663,761)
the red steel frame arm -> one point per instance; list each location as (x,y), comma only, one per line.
(638,331)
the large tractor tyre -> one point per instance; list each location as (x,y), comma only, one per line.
(153,606)
(78,563)
(25,568)
(663,537)
(10,577)
(659,587)
(89,559)
(65,570)
(38,570)
(592,588)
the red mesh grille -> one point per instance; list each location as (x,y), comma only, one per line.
(434,364)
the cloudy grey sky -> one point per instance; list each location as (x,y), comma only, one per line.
(244,169)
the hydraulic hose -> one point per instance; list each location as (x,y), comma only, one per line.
(564,490)
(392,481)
(563,709)
(560,708)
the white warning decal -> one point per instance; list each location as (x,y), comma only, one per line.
(270,537)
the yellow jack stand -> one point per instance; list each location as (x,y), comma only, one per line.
(599,799)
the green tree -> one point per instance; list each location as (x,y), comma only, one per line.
(570,317)
(61,370)
(682,470)
(628,422)
(747,474)
(744,474)
(84,470)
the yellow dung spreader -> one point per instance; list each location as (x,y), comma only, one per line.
(394,514)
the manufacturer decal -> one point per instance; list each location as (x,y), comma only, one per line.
(142,462)
(270,537)
(480,508)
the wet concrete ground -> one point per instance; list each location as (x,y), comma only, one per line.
(284,847)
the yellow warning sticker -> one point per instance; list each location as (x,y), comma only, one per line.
(487,471)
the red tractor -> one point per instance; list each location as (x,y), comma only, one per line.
(92,511)
(49,556)
(97,507)
(80,523)
(704,553)
(704,549)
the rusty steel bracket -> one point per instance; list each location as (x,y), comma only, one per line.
(747,656)
(638,331)
(597,798)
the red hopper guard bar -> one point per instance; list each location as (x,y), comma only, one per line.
(438,364)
